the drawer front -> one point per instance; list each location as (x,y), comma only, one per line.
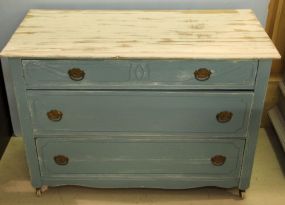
(83,156)
(139,74)
(141,112)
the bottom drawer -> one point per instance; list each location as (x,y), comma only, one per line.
(83,156)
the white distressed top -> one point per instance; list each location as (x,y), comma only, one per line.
(143,34)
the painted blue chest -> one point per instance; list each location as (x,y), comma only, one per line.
(127,100)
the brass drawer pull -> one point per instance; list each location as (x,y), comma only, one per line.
(218,160)
(224,116)
(202,74)
(76,74)
(54,115)
(61,160)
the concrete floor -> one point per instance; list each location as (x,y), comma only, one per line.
(267,184)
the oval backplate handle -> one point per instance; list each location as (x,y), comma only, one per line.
(76,74)
(61,160)
(218,160)
(54,115)
(224,116)
(202,74)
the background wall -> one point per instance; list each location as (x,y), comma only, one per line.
(13,11)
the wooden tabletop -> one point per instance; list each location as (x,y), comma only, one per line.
(143,34)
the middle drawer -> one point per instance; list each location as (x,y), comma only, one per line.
(145,112)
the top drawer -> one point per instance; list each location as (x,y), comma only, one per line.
(139,74)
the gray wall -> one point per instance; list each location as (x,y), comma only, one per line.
(12,12)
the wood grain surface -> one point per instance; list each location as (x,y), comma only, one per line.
(172,34)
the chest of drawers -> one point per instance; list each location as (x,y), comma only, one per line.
(153,99)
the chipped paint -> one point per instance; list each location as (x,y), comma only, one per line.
(138,34)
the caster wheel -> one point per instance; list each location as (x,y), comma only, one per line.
(241,194)
(38,192)
(41,190)
(44,188)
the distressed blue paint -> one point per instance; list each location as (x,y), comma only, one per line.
(140,123)
(25,120)
(255,119)
(92,158)
(138,74)
(141,112)
(177,181)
